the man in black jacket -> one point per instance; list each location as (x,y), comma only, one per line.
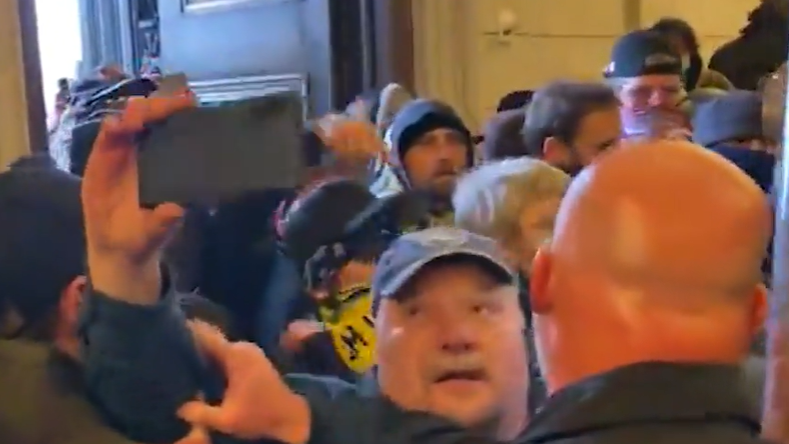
(42,277)
(645,304)
(42,256)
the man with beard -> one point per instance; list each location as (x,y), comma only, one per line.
(430,148)
(645,72)
(568,124)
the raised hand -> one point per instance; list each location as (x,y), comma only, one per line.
(351,138)
(123,239)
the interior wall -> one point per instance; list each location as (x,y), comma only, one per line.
(464,56)
(266,37)
(14,135)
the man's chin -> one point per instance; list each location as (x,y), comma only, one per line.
(444,187)
(466,405)
(469,415)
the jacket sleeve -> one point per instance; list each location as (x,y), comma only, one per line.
(141,365)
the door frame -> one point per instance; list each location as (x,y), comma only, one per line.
(34,84)
(393,40)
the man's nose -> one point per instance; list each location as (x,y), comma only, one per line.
(656,99)
(457,336)
(659,98)
(442,149)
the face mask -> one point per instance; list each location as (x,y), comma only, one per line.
(759,165)
(351,326)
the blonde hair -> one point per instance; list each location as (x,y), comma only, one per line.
(490,199)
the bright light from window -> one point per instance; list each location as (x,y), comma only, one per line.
(60,43)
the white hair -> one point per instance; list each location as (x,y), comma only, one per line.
(490,199)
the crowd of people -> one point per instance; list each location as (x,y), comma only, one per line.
(593,268)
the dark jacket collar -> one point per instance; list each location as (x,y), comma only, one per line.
(646,393)
(397,425)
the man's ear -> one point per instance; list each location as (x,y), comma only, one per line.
(554,151)
(71,298)
(759,308)
(538,282)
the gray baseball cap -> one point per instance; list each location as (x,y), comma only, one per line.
(411,252)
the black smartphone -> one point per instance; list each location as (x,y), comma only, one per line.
(205,156)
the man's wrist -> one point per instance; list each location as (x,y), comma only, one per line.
(135,283)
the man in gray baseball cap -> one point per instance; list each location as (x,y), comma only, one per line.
(449,345)
(449,331)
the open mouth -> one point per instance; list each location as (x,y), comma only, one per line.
(461,376)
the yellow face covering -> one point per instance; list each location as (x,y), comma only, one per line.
(350,322)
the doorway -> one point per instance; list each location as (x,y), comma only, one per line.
(60,48)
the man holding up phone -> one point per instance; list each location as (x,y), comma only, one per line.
(125,241)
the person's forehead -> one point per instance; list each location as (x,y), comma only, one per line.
(440,132)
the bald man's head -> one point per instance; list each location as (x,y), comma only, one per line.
(666,214)
(652,239)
